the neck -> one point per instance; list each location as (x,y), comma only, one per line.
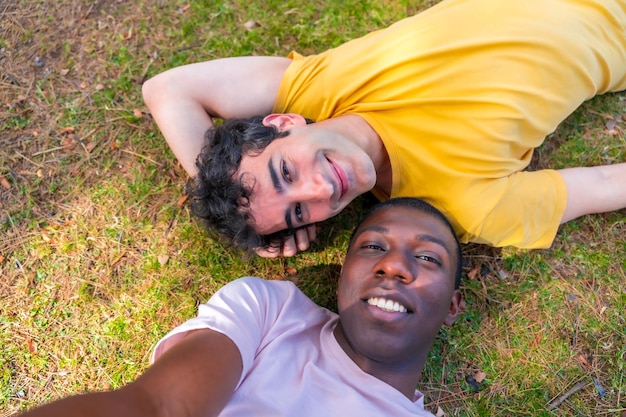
(356,129)
(403,375)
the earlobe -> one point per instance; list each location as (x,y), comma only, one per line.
(456,305)
(284,121)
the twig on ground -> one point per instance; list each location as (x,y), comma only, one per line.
(57,148)
(555,403)
(141,156)
(30,160)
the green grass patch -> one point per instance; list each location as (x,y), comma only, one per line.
(99,260)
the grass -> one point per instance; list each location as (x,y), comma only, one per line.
(99,259)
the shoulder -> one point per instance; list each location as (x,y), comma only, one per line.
(258,294)
(258,287)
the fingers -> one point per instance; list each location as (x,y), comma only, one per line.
(303,238)
(299,242)
(286,248)
(312,233)
(268,252)
(289,246)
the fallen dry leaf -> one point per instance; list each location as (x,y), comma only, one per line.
(32,346)
(69,142)
(68,129)
(90,146)
(5,183)
(99,87)
(612,122)
(440,412)
(472,274)
(128,35)
(163,259)
(291,271)
(480,376)
(612,127)
(582,359)
(181,200)
(46,238)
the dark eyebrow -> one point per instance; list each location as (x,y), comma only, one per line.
(279,188)
(275,180)
(430,238)
(373,228)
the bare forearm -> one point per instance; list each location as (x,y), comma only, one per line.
(100,404)
(182,120)
(186,138)
(195,377)
(594,190)
(184,100)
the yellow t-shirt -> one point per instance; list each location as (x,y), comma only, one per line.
(462,93)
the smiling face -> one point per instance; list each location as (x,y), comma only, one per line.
(397,286)
(306,177)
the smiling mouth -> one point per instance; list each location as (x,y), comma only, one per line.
(387,305)
(343,187)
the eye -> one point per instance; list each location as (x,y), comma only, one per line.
(372,246)
(429,259)
(285,171)
(298,212)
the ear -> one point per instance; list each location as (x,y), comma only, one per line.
(456,305)
(284,121)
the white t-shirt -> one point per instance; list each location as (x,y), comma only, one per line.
(292,363)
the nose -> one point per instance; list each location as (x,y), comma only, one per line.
(317,188)
(396,264)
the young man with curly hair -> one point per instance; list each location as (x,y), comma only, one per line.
(447,105)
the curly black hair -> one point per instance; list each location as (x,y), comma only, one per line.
(221,197)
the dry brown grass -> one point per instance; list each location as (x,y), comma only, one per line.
(98,259)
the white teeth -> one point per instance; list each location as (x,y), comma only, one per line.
(387,305)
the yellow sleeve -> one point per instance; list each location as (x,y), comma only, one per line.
(527,214)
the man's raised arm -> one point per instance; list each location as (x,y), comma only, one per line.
(184,100)
(195,377)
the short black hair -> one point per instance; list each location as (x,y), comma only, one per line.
(425,207)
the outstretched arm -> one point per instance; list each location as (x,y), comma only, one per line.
(597,189)
(195,377)
(184,100)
